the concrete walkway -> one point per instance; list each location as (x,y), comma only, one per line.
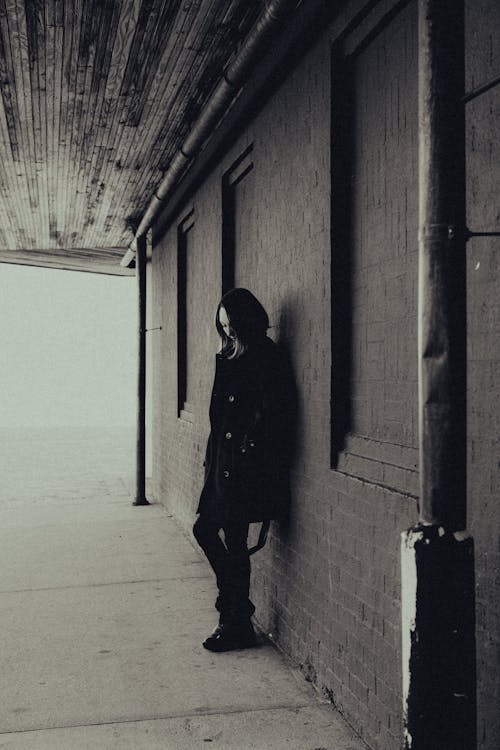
(103,608)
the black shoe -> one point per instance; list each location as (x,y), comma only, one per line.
(231,637)
(216,631)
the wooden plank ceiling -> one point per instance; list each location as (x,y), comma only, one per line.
(96,98)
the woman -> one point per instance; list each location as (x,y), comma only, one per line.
(247,457)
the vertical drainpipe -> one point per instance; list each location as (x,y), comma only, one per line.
(140,260)
(437,555)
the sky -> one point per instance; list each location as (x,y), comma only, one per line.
(68,352)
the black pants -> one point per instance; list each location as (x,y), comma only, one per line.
(231,564)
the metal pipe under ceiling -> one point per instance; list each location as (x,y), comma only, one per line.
(230,85)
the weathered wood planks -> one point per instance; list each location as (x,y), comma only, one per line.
(96,97)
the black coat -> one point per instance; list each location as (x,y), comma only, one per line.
(250,443)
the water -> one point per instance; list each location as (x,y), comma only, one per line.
(43,464)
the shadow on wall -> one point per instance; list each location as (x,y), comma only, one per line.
(285,335)
(343,149)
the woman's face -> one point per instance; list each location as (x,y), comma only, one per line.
(224,323)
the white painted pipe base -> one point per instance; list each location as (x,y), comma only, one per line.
(438,639)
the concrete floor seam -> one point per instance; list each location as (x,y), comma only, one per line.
(166,717)
(103,585)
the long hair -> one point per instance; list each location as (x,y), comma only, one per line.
(248,320)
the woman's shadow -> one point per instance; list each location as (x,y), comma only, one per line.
(285,337)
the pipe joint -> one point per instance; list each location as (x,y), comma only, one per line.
(229,81)
(442,232)
(276,11)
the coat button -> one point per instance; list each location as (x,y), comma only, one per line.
(231,398)
(228,436)
(226,474)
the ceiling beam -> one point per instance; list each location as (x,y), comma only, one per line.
(103,261)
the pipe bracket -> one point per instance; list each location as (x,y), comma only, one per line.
(469,234)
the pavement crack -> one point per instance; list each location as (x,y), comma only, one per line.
(102,585)
(226,711)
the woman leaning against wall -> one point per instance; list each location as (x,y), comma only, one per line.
(247,457)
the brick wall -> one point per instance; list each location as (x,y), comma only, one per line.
(179,444)
(383,220)
(378,314)
(327,587)
(483,190)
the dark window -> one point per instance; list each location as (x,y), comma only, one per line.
(374,251)
(231,179)
(183,231)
